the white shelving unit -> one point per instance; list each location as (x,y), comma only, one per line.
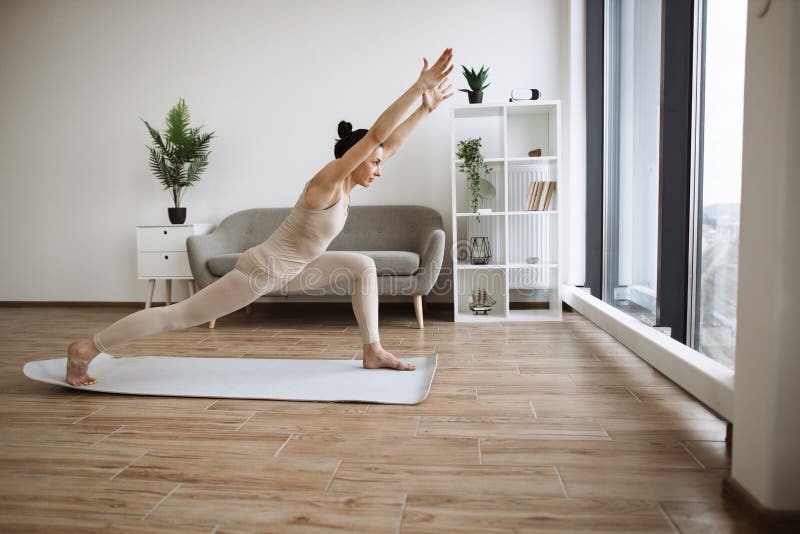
(508,131)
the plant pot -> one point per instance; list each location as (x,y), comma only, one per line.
(177,215)
(475,97)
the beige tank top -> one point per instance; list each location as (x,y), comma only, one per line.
(302,236)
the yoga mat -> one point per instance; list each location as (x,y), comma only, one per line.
(247,378)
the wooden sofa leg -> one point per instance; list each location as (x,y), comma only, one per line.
(212,323)
(418,310)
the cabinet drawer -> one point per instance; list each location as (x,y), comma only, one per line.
(163,238)
(164,264)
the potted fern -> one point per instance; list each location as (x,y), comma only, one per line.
(477,83)
(179,157)
(473,165)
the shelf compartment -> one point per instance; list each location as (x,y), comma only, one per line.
(488,123)
(491,280)
(491,227)
(532,289)
(520,177)
(463,195)
(532,237)
(529,280)
(531,127)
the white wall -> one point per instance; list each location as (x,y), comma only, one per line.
(766,431)
(271,78)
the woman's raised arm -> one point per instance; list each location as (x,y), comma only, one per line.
(430,101)
(429,78)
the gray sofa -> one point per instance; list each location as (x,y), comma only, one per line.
(406,242)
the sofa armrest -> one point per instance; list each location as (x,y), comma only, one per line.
(200,248)
(430,261)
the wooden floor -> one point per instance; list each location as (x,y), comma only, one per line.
(528,427)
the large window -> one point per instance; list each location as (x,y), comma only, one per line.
(718,173)
(632,102)
(664,108)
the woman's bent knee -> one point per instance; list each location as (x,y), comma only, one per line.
(364,266)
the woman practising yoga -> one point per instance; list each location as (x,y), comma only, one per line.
(298,246)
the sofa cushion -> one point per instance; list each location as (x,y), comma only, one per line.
(387,262)
(393,262)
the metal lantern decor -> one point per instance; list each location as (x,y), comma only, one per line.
(480,251)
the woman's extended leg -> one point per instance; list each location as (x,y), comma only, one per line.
(219,298)
(356,273)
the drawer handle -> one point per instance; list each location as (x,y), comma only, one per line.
(165,232)
(166,257)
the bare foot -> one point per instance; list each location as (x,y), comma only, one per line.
(79,355)
(375,357)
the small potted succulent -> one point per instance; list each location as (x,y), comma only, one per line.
(179,157)
(477,83)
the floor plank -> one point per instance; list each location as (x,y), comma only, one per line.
(69,496)
(223,468)
(47,524)
(99,462)
(510,427)
(636,482)
(372,425)
(589,453)
(410,450)
(438,479)
(454,513)
(237,509)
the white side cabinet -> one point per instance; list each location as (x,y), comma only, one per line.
(161,255)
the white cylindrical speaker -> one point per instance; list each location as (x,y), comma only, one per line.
(524,94)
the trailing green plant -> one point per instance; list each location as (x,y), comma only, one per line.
(475,80)
(179,157)
(473,165)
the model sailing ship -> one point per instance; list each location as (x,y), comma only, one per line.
(481,302)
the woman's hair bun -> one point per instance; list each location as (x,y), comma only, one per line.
(345,129)
(347,138)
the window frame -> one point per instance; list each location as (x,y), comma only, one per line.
(675,178)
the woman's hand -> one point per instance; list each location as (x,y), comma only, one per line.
(431,77)
(433,97)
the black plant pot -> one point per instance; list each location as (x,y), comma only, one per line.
(475,97)
(177,215)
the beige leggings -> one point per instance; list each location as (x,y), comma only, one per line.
(237,289)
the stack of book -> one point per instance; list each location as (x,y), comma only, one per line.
(539,195)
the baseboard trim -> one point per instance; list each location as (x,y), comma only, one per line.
(765,519)
(69,303)
(139,304)
(705,379)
